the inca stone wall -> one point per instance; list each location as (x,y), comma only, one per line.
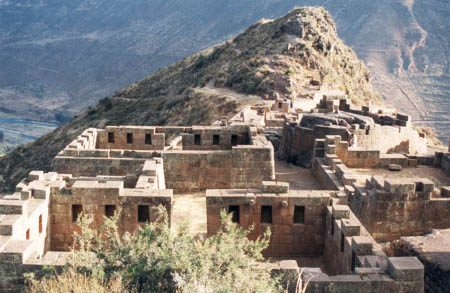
(289,237)
(93,197)
(391,208)
(130,138)
(242,167)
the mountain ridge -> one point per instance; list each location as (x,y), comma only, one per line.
(268,58)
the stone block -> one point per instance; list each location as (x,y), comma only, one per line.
(362,245)
(275,187)
(403,117)
(36,175)
(405,268)
(394,167)
(341,212)
(412,163)
(445,191)
(398,186)
(350,227)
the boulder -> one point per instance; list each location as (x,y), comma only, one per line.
(394,167)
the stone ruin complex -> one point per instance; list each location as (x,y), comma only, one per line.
(334,218)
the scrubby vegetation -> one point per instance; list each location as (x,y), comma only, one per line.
(156,259)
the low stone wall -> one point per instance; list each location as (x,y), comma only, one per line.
(391,208)
(93,166)
(288,238)
(445,163)
(325,175)
(400,139)
(357,157)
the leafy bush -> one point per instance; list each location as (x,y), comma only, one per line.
(156,259)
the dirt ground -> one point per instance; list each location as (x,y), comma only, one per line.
(434,174)
(190,207)
(299,178)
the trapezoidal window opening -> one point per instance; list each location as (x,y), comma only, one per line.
(332,226)
(148,138)
(216,139)
(40,224)
(419,187)
(236,213)
(342,242)
(266,214)
(143,214)
(110,210)
(111,138)
(77,209)
(353,261)
(129,138)
(197,139)
(234,140)
(299,215)
(27,234)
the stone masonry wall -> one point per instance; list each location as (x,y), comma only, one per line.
(93,166)
(242,167)
(391,208)
(93,196)
(288,238)
(138,137)
(216,138)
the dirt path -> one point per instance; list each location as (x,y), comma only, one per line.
(228,93)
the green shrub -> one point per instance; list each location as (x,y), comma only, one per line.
(156,259)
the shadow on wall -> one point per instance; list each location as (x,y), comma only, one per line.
(403,147)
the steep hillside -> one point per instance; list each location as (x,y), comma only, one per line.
(269,57)
(406,45)
(59,56)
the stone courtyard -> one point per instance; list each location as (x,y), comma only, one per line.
(284,165)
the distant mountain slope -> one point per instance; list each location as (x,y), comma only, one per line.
(58,57)
(270,57)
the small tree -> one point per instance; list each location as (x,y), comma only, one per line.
(156,259)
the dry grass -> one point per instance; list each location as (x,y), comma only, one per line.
(301,284)
(73,282)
